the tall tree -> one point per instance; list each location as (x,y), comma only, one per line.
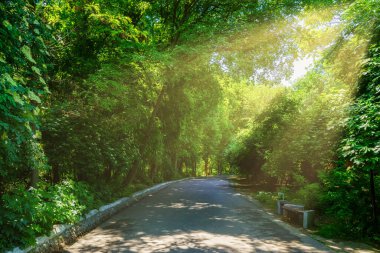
(23,68)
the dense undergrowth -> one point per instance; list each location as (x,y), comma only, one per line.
(33,213)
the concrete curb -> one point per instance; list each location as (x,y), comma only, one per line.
(329,245)
(62,235)
(294,231)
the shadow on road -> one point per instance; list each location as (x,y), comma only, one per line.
(200,215)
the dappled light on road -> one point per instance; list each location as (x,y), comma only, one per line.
(194,216)
(196,206)
(202,241)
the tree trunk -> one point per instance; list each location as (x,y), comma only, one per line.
(206,166)
(180,167)
(107,173)
(131,173)
(135,165)
(186,172)
(153,171)
(373,200)
(55,174)
(175,162)
(219,168)
(34,178)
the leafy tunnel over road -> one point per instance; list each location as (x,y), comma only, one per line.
(197,215)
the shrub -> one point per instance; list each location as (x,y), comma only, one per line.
(267,198)
(32,213)
(310,196)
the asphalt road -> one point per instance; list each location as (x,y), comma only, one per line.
(198,215)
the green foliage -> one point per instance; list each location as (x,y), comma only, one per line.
(87,34)
(101,131)
(347,186)
(310,196)
(298,133)
(267,198)
(260,140)
(360,145)
(363,14)
(347,201)
(327,130)
(23,70)
(33,213)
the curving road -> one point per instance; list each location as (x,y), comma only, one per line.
(198,215)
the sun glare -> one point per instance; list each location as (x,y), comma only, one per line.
(280,52)
(300,68)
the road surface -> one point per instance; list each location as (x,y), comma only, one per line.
(198,215)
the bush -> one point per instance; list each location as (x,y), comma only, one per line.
(331,231)
(310,196)
(267,198)
(32,213)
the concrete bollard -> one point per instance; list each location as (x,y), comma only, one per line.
(280,205)
(308,218)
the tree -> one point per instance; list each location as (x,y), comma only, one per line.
(23,68)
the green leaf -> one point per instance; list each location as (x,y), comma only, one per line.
(36,70)
(42,80)
(28,54)
(25,21)
(4,125)
(47,91)
(16,97)
(2,58)
(34,97)
(9,79)
(7,25)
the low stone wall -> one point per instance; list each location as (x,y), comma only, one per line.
(62,235)
(296,213)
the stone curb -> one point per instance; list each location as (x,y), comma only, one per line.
(67,234)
